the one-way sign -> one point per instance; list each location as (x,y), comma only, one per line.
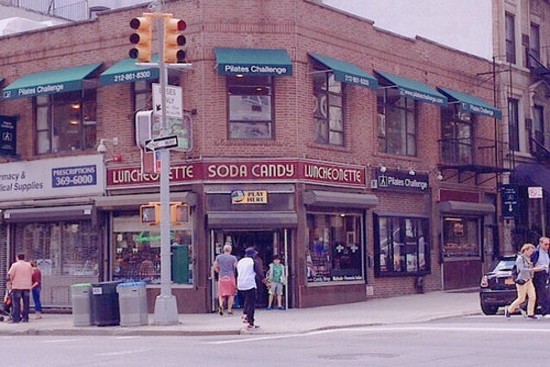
(166,142)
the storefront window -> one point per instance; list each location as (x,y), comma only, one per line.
(136,249)
(250,107)
(401,245)
(66,248)
(461,237)
(66,121)
(396,123)
(334,247)
(328,111)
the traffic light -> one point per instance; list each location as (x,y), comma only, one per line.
(141,38)
(150,214)
(173,40)
(179,213)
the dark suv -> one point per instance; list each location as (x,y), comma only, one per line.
(497,288)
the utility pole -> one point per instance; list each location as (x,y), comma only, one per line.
(165,312)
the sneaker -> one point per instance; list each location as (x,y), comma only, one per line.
(533,317)
(230,312)
(281,308)
(269,308)
(507,313)
(220,310)
(523,312)
(252,327)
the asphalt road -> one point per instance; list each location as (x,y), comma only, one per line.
(466,341)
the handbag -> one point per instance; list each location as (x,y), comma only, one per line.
(521,281)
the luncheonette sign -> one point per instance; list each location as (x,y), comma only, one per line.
(240,171)
(51,178)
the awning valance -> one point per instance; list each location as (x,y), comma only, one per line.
(335,199)
(253,61)
(122,202)
(126,71)
(413,89)
(471,103)
(347,73)
(49,82)
(461,207)
(58,213)
(252,220)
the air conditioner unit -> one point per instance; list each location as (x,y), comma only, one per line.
(374,184)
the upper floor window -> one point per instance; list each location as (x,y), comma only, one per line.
(66,121)
(456,135)
(250,107)
(538,124)
(396,123)
(510,29)
(534,41)
(513,124)
(328,111)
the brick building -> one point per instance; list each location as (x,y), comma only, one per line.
(366,160)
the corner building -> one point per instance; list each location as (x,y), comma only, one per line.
(366,160)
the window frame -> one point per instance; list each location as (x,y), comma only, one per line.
(478,233)
(86,99)
(453,119)
(422,224)
(534,40)
(513,125)
(405,105)
(259,83)
(510,37)
(333,92)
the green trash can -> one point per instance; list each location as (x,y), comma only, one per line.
(180,264)
(80,301)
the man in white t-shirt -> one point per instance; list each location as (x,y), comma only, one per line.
(249,270)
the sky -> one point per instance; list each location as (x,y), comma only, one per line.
(462,24)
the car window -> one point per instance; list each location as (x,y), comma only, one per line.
(504,265)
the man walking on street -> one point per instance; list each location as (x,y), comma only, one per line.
(249,269)
(541,260)
(20,276)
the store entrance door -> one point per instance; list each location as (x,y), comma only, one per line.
(267,243)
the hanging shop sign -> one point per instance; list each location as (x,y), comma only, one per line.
(8,136)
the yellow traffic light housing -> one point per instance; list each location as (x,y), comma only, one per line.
(150,214)
(173,40)
(142,38)
(179,214)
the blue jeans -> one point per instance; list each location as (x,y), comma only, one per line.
(36,298)
(16,313)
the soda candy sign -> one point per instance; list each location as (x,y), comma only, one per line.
(260,171)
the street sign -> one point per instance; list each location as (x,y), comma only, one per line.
(510,201)
(165,142)
(534,192)
(173,103)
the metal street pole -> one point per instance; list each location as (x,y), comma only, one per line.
(166,310)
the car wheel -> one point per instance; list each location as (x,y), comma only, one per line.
(489,310)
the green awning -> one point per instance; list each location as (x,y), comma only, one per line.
(49,82)
(471,103)
(414,89)
(253,61)
(126,71)
(347,73)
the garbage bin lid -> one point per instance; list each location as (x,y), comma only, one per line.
(100,284)
(131,284)
(82,285)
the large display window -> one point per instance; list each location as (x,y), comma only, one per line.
(335,248)
(401,246)
(461,237)
(136,251)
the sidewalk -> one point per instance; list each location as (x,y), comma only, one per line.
(396,310)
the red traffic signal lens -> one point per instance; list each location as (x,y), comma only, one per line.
(181,25)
